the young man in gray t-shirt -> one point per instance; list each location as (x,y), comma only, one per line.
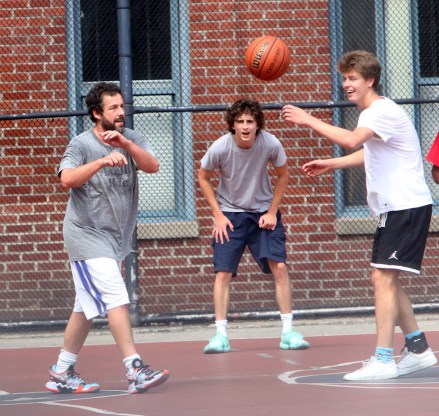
(246,214)
(99,167)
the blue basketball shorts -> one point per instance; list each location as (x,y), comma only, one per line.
(263,244)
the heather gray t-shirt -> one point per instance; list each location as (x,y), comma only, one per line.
(101,214)
(245,184)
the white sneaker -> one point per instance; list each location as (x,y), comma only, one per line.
(409,362)
(374,369)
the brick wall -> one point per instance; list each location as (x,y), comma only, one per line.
(176,276)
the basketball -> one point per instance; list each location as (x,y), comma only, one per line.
(267,58)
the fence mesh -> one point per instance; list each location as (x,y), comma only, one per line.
(185,67)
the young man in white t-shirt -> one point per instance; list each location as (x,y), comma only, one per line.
(390,152)
(246,214)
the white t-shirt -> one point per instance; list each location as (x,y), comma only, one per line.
(393,162)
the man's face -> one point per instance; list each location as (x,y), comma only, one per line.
(245,130)
(356,86)
(113,114)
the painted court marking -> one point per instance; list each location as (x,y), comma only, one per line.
(330,376)
(13,399)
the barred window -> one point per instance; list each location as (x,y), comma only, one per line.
(150,40)
(428,15)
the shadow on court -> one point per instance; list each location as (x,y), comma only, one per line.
(256,378)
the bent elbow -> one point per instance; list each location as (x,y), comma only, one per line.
(66,184)
(65,180)
(155,167)
(152,167)
(350,145)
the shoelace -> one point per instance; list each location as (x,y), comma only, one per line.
(146,371)
(71,373)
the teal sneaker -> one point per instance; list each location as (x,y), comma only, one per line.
(292,340)
(218,344)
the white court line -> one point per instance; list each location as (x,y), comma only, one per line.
(91,409)
(387,384)
(23,400)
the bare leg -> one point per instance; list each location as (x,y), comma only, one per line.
(120,325)
(392,306)
(221,295)
(282,286)
(76,332)
(407,321)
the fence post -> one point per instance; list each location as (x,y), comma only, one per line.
(126,85)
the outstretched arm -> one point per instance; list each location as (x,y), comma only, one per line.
(320,166)
(337,135)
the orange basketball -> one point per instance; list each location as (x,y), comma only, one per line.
(267,58)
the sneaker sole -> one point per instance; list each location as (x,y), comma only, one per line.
(61,389)
(212,351)
(428,362)
(385,377)
(299,347)
(133,389)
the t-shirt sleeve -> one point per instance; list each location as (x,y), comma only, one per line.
(72,157)
(433,153)
(376,122)
(141,141)
(210,160)
(280,157)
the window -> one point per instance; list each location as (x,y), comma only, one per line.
(428,79)
(428,15)
(159,47)
(150,41)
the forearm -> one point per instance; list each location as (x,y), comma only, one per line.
(144,160)
(336,135)
(278,194)
(73,178)
(351,160)
(209,193)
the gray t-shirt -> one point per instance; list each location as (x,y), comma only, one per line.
(245,184)
(101,214)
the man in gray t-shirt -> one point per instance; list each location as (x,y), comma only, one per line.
(99,167)
(245,208)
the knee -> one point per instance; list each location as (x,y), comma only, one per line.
(223,278)
(382,279)
(279,270)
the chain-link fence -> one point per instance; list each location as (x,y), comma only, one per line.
(183,63)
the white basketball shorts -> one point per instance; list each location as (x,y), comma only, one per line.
(99,286)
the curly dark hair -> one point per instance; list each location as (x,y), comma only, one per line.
(95,95)
(364,62)
(241,107)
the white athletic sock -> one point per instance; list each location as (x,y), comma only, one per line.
(128,362)
(287,321)
(65,360)
(221,327)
